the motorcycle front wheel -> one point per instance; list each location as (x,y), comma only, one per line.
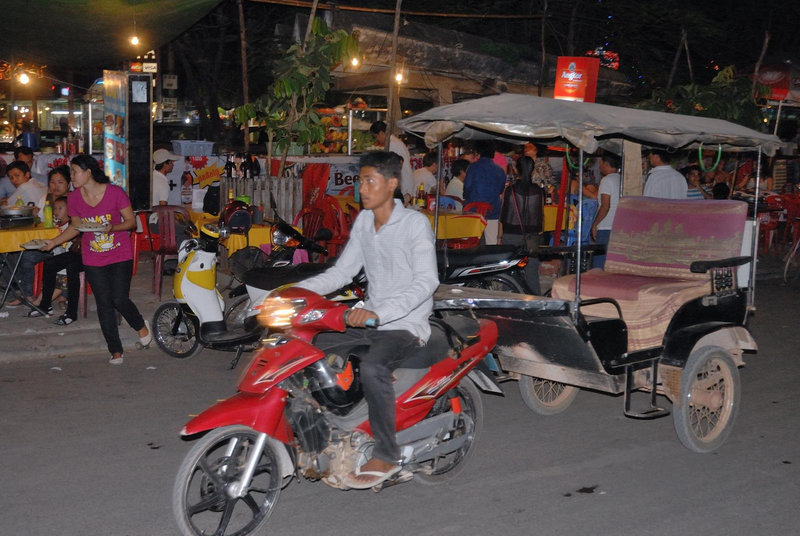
(446,468)
(175,332)
(202,499)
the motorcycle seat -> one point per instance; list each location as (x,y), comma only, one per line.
(457,258)
(272,277)
(445,332)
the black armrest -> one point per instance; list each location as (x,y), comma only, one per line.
(701,267)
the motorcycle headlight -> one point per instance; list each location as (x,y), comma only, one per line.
(279,312)
(282,239)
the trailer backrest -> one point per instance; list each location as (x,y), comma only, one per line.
(662,237)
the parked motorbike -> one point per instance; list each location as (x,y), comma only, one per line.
(489,267)
(300,411)
(198,318)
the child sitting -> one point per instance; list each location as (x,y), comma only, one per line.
(68,258)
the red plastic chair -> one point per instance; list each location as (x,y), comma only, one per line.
(337,220)
(310,219)
(792,205)
(141,239)
(168,246)
(479,207)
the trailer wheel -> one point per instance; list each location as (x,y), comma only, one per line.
(546,397)
(710,397)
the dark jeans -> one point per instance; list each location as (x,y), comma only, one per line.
(599,261)
(386,350)
(52,265)
(25,273)
(111,285)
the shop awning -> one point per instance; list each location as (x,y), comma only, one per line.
(585,125)
(92,33)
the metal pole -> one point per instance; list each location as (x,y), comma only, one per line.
(439,161)
(349,132)
(579,233)
(245,81)
(777,118)
(751,291)
(392,112)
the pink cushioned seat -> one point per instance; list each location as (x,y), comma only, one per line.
(653,243)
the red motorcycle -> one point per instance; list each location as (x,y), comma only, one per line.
(300,411)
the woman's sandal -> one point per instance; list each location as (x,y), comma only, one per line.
(145,341)
(36,313)
(64,320)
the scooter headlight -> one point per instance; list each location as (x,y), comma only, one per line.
(282,239)
(279,312)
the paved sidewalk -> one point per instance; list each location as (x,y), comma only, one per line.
(24,339)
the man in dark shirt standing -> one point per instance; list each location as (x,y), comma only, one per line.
(485,182)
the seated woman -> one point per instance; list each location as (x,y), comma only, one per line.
(58,184)
(70,259)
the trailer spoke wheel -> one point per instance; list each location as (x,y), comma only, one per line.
(709,400)
(546,397)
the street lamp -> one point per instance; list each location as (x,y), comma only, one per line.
(24,78)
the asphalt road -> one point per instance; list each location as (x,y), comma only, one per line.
(91,449)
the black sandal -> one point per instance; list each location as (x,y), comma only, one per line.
(64,320)
(36,313)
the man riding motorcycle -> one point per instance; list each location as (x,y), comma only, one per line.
(395,247)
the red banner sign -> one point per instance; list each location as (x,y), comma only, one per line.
(576,78)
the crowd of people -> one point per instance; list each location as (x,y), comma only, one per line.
(95,219)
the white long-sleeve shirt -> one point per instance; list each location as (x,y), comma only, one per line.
(407,185)
(400,263)
(665,182)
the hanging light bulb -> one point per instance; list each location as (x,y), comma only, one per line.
(354,62)
(24,78)
(399,77)
(135,40)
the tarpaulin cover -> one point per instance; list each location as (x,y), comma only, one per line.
(589,126)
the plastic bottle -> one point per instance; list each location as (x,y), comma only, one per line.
(20,202)
(421,195)
(47,215)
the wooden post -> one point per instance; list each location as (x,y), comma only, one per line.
(392,101)
(245,87)
(543,62)
(688,59)
(632,168)
(760,59)
(677,57)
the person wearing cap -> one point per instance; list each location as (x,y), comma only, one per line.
(164,163)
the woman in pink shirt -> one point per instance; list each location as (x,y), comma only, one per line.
(107,253)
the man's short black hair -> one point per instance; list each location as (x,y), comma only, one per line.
(430,159)
(27,151)
(665,155)
(485,148)
(611,159)
(458,166)
(387,163)
(16,164)
(377,127)
(720,191)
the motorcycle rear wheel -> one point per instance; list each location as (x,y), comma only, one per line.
(175,332)
(447,468)
(200,501)
(501,282)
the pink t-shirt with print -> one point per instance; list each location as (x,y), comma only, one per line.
(102,249)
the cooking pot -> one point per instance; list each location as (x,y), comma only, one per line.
(17,211)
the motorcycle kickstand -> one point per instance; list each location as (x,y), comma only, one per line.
(237,357)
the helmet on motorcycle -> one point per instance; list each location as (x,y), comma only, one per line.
(334,383)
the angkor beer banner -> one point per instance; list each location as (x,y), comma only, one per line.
(576,78)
